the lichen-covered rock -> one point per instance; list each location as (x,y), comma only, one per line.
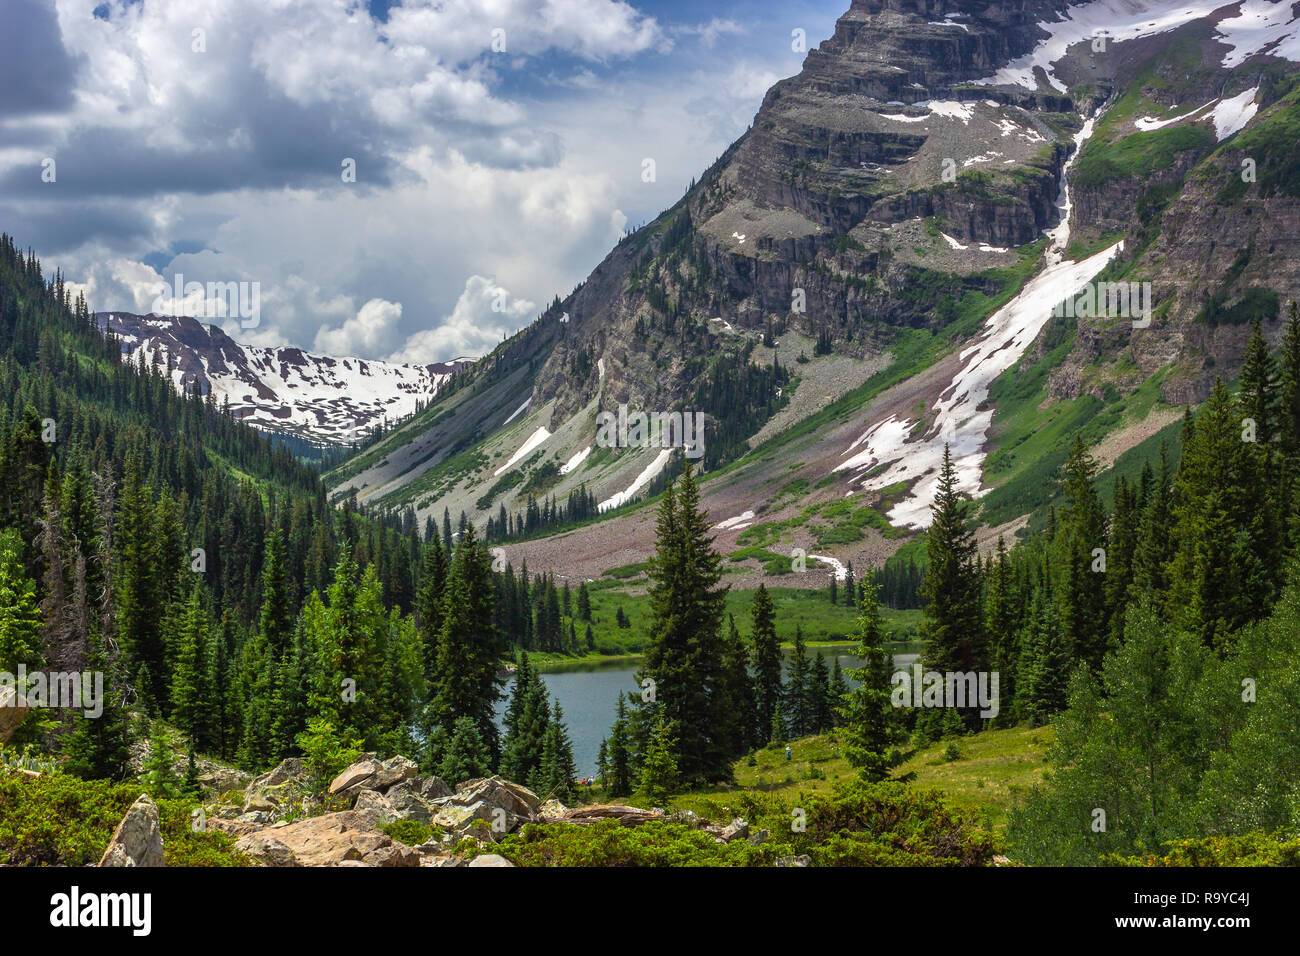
(137,841)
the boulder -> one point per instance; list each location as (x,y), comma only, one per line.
(266,849)
(500,792)
(137,841)
(737,829)
(481,820)
(278,789)
(13,710)
(803,859)
(552,811)
(392,771)
(334,839)
(378,804)
(431,788)
(406,802)
(490,859)
(356,777)
(759,837)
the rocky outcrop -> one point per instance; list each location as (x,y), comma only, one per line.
(332,839)
(137,841)
(13,711)
(272,794)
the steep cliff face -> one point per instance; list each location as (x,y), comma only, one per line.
(884,127)
(880,216)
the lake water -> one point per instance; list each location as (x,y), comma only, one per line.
(590,698)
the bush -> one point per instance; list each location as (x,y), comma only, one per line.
(59,820)
(412,832)
(887,824)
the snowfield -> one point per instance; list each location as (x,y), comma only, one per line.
(647,475)
(957,420)
(534,440)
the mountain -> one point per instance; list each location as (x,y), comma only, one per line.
(873,271)
(284,390)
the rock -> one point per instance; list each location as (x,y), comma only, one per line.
(377,803)
(480,820)
(759,838)
(137,841)
(266,849)
(628,816)
(278,789)
(431,788)
(407,803)
(13,711)
(500,792)
(392,771)
(219,779)
(350,835)
(803,859)
(356,777)
(445,859)
(490,859)
(737,829)
(260,817)
(236,828)
(552,810)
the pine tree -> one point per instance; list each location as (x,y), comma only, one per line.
(796,689)
(557,771)
(20,623)
(767,662)
(159,771)
(817,695)
(467,756)
(954,630)
(659,773)
(871,724)
(683,652)
(619,783)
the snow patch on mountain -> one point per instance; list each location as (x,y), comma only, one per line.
(647,475)
(534,440)
(287,390)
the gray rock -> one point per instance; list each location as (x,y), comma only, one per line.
(392,771)
(802,859)
(266,849)
(356,777)
(13,710)
(137,841)
(737,829)
(759,838)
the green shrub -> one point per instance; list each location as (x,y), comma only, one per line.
(58,820)
(412,832)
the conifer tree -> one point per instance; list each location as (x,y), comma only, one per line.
(467,756)
(684,647)
(659,772)
(871,725)
(953,628)
(767,662)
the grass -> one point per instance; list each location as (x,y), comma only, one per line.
(808,609)
(996,769)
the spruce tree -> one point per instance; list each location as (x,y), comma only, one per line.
(871,725)
(684,648)
(767,662)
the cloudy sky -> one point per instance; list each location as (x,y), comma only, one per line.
(498,147)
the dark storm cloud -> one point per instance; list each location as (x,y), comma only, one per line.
(36,72)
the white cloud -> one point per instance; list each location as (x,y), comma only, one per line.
(484,314)
(371,331)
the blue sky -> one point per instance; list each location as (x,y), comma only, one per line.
(141,139)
